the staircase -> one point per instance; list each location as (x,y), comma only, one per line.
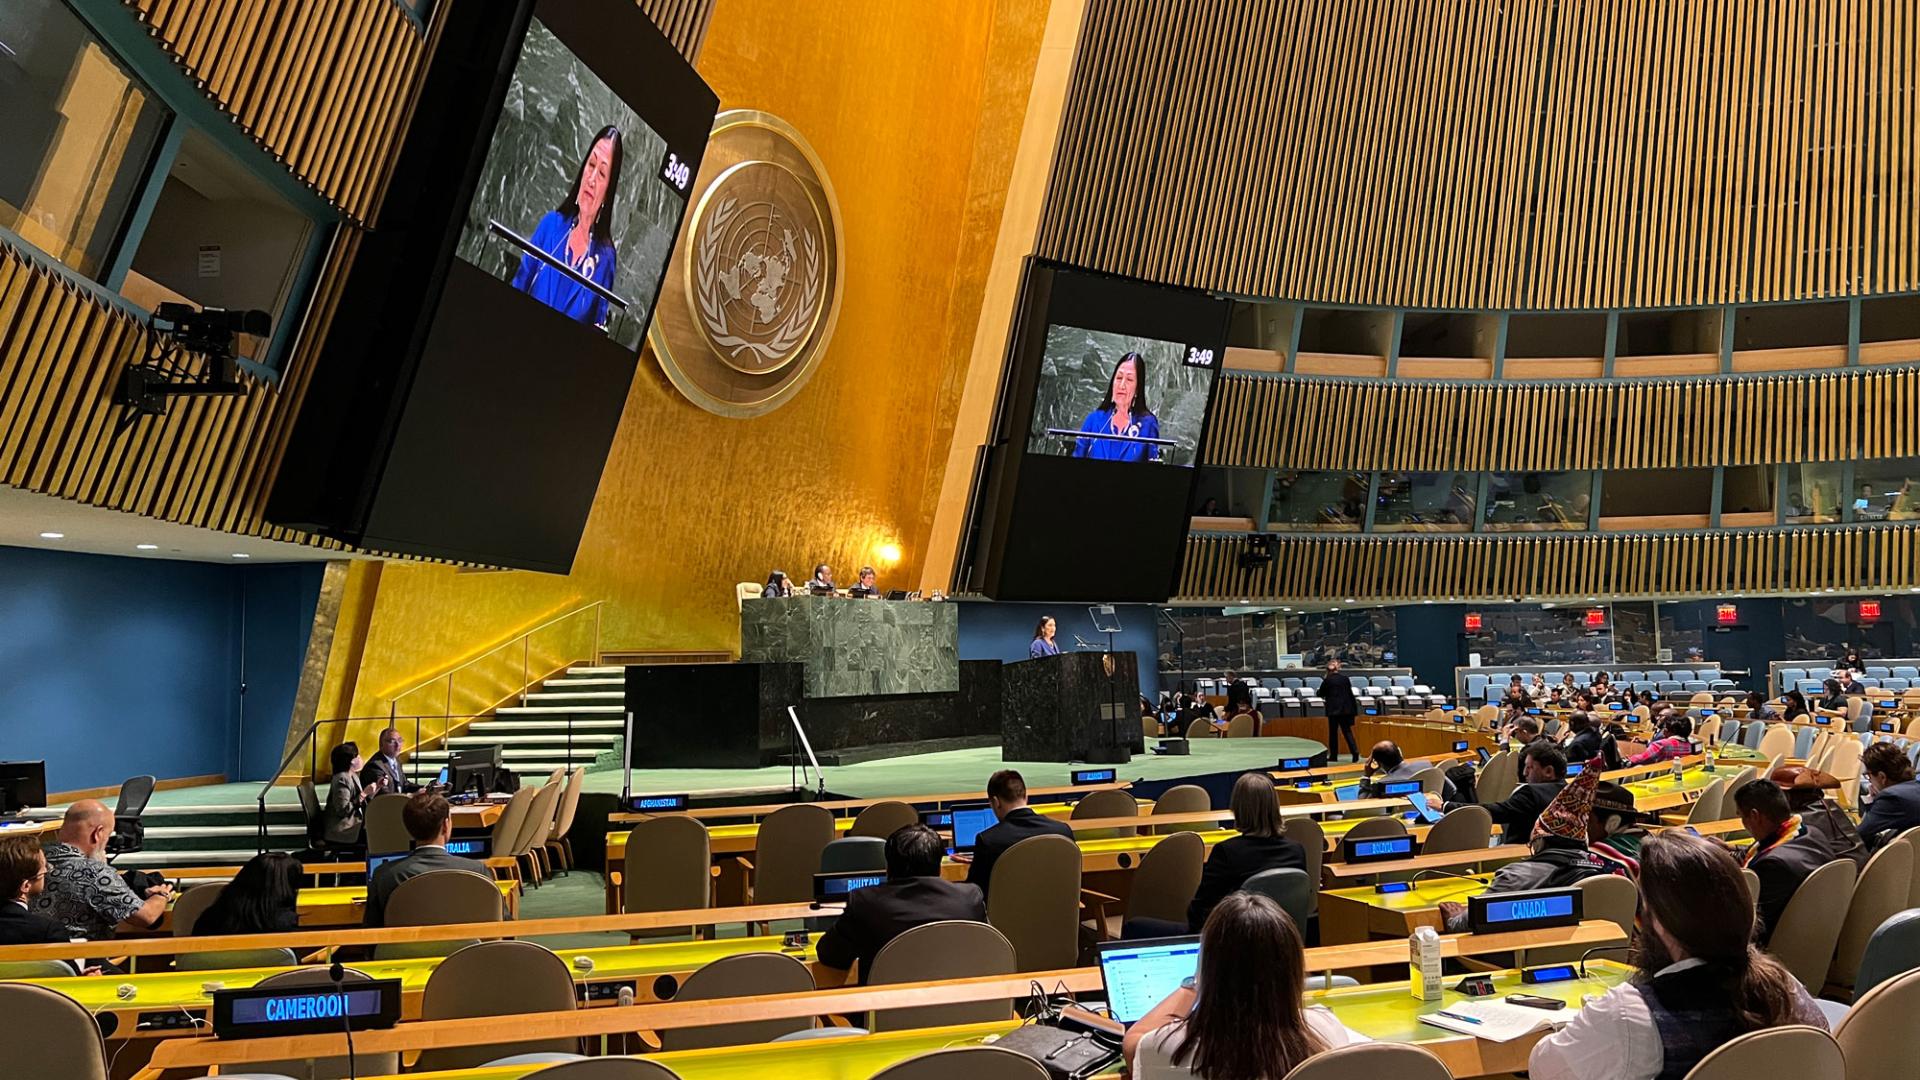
(573,719)
(216,835)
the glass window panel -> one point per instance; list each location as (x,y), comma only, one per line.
(1318,502)
(1643,493)
(76,135)
(219,237)
(1426,502)
(1230,493)
(1813,493)
(1364,638)
(1538,501)
(1886,490)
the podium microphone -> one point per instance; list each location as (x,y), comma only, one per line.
(1081,643)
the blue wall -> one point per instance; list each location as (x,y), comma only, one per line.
(111,667)
(991,631)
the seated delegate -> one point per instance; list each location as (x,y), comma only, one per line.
(914,894)
(866,587)
(1543,772)
(428,818)
(347,797)
(1261,845)
(262,898)
(1896,794)
(1784,851)
(1386,765)
(1676,743)
(1560,855)
(85,894)
(1244,1014)
(23,877)
(1007,794)
(1698,980)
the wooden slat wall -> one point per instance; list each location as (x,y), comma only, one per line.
(1464,153)
(1375,569)
(323,85)
(683,21)
(1263,421)
(208,462)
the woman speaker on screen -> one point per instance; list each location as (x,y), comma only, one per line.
(1124,412)
(579,233)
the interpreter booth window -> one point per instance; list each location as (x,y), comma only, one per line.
(1223,492)
(77,133)
(1825,629)
(1814,493)
(220,236)
(1660,498)
(1538,501)
(1368,637)
(1746,496)
(1887,489)
(1426,502)
(1318,502)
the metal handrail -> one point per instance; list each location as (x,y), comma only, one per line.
(521,639)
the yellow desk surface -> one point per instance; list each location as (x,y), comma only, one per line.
(346,905)
(1662,793)
(1385,1012)
(30,828)
(942,799)
(478,815)
(739,839)
(644,965)
(1334,830)
(1361,914)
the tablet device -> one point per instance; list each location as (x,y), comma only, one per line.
(1349,793)
(1484,754)
(1424,807)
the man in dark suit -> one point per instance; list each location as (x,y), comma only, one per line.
(429,820)
(1543,772)
(1239,694)
(1337,691)
(1784,852)
(1007,794)
(1896,794)
(914,894)
(386,764)
(23,874)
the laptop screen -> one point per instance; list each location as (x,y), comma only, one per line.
(375,862)
(1140,974)
(968,823)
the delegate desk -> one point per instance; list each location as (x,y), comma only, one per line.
(1385,1012)
(1037,795)
(1361,914)
(1416,738)
(164,1002)
(41,829)
(346,905)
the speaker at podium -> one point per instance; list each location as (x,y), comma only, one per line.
(1077,706)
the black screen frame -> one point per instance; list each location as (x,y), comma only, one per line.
(224,1000)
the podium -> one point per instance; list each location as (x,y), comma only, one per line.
(1078,706)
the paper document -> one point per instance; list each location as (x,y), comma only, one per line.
(1497,1021)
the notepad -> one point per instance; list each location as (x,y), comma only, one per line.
(1497,1021)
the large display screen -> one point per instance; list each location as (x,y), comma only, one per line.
(579,199)
(1084,490)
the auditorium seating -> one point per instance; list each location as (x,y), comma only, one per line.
(740,976)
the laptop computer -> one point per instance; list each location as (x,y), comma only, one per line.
(968,823)
(1138,975)
(375,862)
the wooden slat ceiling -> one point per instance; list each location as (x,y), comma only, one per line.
(1523,154)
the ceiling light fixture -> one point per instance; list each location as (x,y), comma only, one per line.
(53,536)
(146,547)
(241,555)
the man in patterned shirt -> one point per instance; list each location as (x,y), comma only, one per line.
(84,893)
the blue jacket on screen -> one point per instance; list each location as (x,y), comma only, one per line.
(1146,426)
(556,290)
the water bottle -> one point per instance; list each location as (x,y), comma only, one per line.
(1679,769)
(1423,963)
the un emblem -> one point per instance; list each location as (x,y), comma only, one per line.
(759,260)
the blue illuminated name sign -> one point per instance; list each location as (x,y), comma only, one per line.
(473,847)
(1296,763)
(658,804)
(1094,776)
(1360,851)
(1460,746)
(1523,911)
(832,887)
(255,1013)
(1401,787)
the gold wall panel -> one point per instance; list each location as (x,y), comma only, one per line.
(1268,422)
(1371,570)
(323,85)
(1465,153)
(905,105)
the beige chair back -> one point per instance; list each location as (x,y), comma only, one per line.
(437,898)
(744,591)
(1371,1061)
(1169,875)
(966,1063)
(1312,839)
(950,949)
(1912,839)
(331,1068)
(1782,1051)
(1464,828)
(1378,828)
(1879,894)
(386,833)
(1707,806)
(1843,761)
(1111,803)
(1200,728)
(1149,727)
(787,853)
(1498,777)
(883,819)
(1753,885)
(1432,780)
(48,1034)
(1778,739)
(1035,901)
(569,803)
(1809,929)
(539,823)
(1241,727)
(506,828)
(1728,808)
(1709,730)
(1184,799)
(34,969)
(495,978)
(743,975)
(668,866)
(1878,1035)
(1605,896)
(189,905)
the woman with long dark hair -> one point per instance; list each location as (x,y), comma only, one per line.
(1124,412)
(263,898)
(1698,980)
(1042,643)
(1796,703)
(579,234)
(1244,1017)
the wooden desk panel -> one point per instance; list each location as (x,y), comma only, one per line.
(1360,914)
(934,801)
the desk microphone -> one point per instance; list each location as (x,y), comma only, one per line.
(337,972)
(1437,872)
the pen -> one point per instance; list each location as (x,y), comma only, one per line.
(1457,1016)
